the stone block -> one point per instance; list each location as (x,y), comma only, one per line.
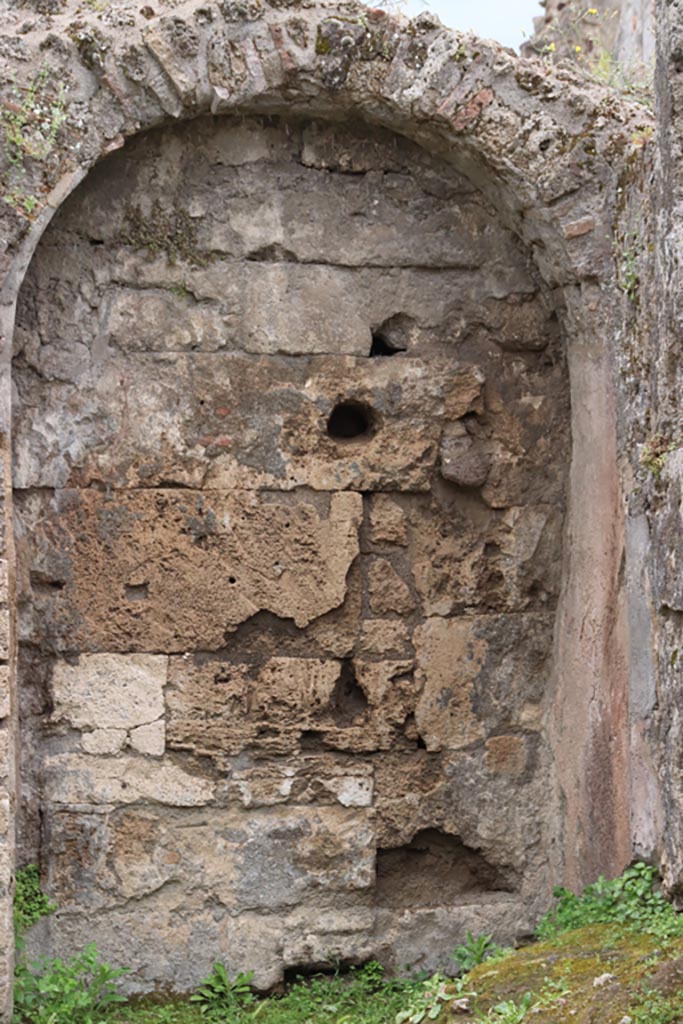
(450,658)
(108,692)
(173,570)
(463,463)
(387,592)
(149,739)
(345,935)
(85,779)
(387,637)
(478,673)
(103,741)
(221,708)
(387,521)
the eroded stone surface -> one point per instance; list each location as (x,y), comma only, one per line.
(275,655)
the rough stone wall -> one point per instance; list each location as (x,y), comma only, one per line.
(251,635)
(518,197)
(655,451)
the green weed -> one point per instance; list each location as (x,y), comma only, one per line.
(475,951)
(30,902)
(217,994)
(633,899)
(429,998)
(78,991)
(510,1012)
(654,453)
(655,1008)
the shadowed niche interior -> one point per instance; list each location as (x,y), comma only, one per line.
(434,869)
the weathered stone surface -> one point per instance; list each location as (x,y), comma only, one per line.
(462,462)
(387,521)
(286,623)
(80,779)
(387,592)
(507,755)
(176,569)
(103,741)
(109,692)
(149,739)
(469,670)
(189,323)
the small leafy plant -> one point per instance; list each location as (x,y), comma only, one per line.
(78,991)
(654,453)
(510,1012)
(30,902)
(633,899)
(475,951)
(657,1008)
(429,998)
(217,993)
(30,118)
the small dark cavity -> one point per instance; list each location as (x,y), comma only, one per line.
(312,740)
(42,584)
(351,419)
(392,336)
(348,702)
(137,591)
(381,346)
(321,969)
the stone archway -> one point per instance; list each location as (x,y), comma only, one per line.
(502,125)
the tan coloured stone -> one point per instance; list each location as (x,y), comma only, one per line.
(507,755)
(387,591)
(221,708)
(103,741)
(79,779)
(383,637)
(387,521)
(390,687)
(109,691)
(230,557)
(449,659)
(149,739)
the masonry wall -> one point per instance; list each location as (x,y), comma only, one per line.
(290,447)
(274,653)
(657,498)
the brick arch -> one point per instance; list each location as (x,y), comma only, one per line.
(543,150)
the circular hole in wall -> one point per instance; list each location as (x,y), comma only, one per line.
(350,420)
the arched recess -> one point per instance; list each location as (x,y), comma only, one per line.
(539,149)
